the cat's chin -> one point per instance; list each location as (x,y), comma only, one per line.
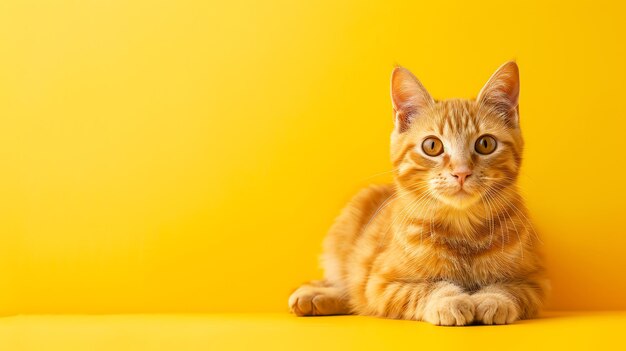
(460,199)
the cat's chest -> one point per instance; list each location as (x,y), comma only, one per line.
(464,268)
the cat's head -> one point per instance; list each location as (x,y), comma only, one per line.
(457,151)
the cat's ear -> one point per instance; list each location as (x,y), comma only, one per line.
(408,96)
(501,92)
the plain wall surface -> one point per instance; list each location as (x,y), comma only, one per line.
(189,156)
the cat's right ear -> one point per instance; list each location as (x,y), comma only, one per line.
(409,98)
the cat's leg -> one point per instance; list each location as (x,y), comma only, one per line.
(439,303)
(504,303)
(326,297)
(318,298)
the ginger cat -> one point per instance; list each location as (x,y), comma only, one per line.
(449,242)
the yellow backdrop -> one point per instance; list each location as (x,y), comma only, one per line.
(189,156)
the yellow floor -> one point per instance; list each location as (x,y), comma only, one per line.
(556,331)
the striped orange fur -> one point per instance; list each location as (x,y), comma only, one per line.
(449,242)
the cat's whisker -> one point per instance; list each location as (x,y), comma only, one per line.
(400,212)
(431,215)
(387,203)
(389,200)
(499,218)
(491,218)
(418,206)
(522,214)
(416,203)
(526,220)
(428,200)
(499,198)
(431,204)
(428,206)
(379,174)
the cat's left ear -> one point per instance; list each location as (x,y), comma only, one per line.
(502,92)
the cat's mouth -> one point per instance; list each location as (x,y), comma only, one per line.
(462,192)
(460,197)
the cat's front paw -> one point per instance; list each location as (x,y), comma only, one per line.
(450,310)
(495,308)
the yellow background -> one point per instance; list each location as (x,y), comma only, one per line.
(189,156)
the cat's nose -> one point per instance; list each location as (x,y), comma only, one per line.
(461,174)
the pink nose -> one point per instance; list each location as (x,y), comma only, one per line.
(461,175)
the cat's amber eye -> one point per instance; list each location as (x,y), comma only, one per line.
(485,145)
(432,146)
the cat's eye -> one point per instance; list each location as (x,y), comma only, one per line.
(485,145)
(432,146)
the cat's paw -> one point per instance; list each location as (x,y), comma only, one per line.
(301,302)
(495,308)
(450,310)
(316,301)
